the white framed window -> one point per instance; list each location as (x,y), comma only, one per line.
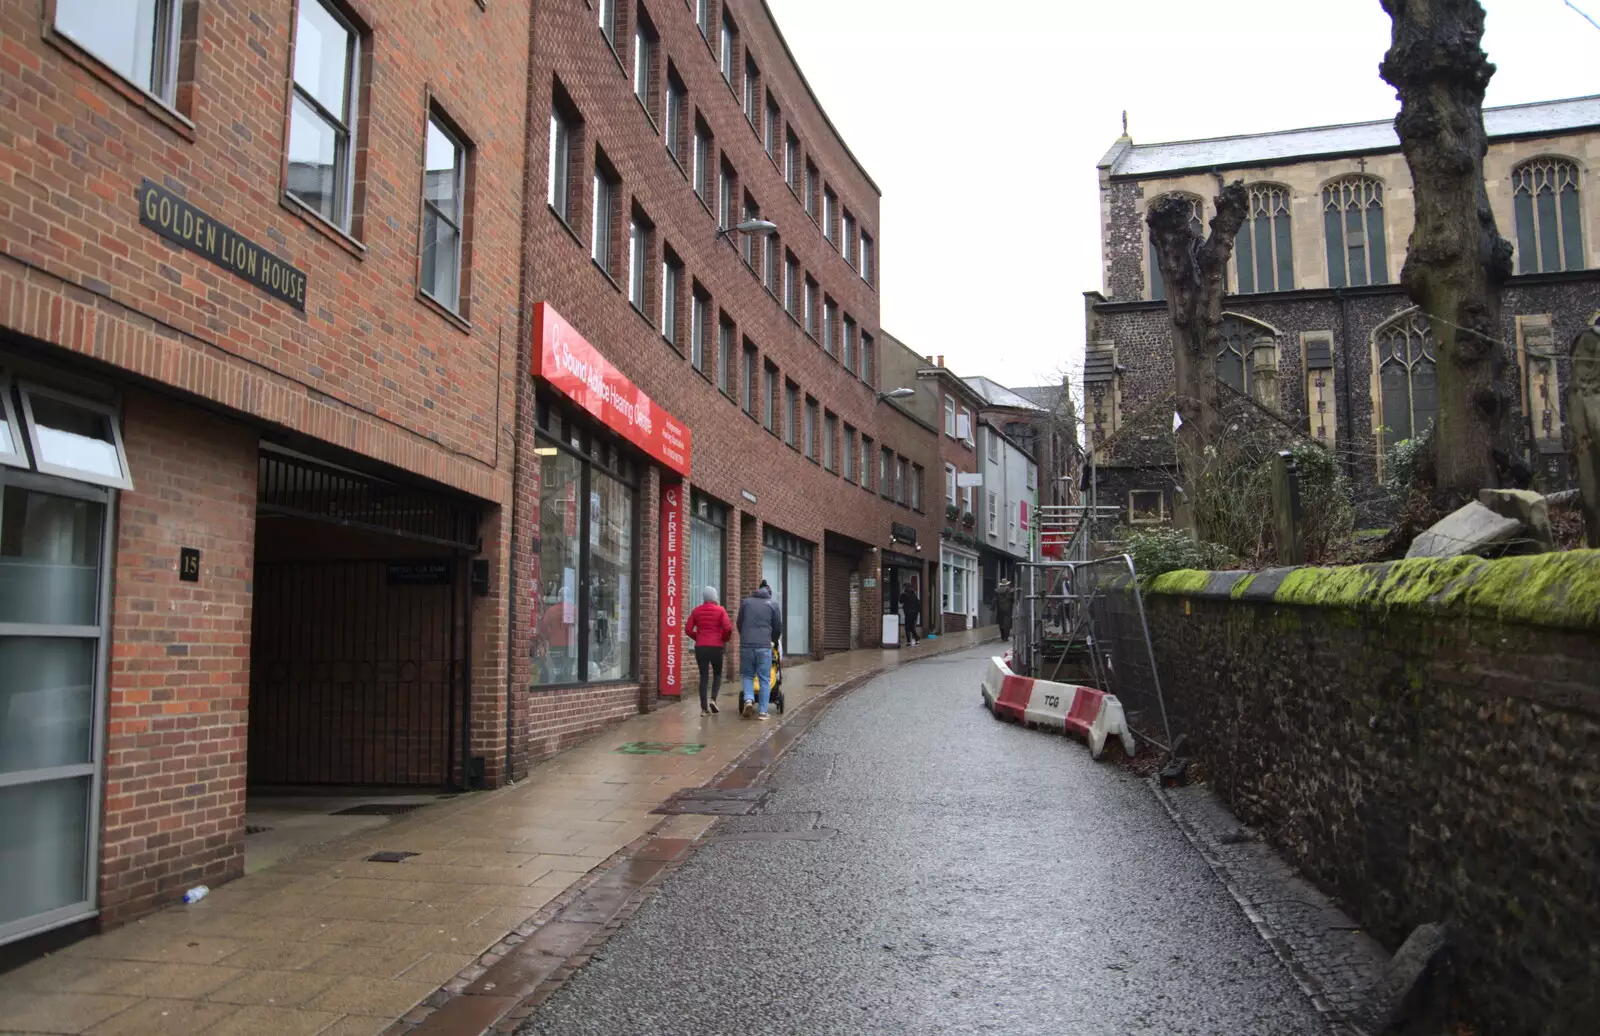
(791,289)
(644,47)
(1033,477)
(698,321)
(74,437)
(673,130)
(868,258)
(702,17)
(669,300)
(11,449)
(137,39)
(774,123)
(830,209)
(638,256)
(322,117)
(830,321)
(966,498)
(725,199)
(847,236)
(964,426)
(443,194)
(600,238)
(725,350)
(849,454)
(810,319)
(950,416)
(752,89)
(727,50)
(950,484)
(607,11)
(993,523)
(994,445)
(791,159)
(1011,523)
(560,196)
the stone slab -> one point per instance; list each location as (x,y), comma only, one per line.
(1471,529)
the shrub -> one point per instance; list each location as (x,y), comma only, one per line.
(1155,551)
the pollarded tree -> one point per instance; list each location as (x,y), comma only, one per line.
(1456,261)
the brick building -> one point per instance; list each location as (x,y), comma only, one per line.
(1318,330)
(259,292)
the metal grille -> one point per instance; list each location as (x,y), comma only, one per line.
(354,680)
(302,488)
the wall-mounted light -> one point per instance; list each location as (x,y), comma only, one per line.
(753,227)
(899,393)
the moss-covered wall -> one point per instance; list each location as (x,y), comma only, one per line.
(1423,740)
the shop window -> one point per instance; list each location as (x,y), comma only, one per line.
(72,437)
(708,535)
(1146,507)
(786,566)
(584,572)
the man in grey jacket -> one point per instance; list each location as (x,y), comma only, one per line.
(760,627)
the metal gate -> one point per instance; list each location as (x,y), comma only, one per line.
(357,672)
(836,572)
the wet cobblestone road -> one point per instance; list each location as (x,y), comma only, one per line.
(981,878)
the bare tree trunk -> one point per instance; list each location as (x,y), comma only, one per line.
(1456,261)
(1195,272)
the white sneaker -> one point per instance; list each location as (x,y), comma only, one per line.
(749,708)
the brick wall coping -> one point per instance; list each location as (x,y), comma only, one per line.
(1560,589)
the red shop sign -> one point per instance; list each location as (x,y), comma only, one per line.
(672,589)
(575,368)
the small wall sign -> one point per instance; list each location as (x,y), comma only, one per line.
(189,564)
(188,227)
(418,572)
(748,496)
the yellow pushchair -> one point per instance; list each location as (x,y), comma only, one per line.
(776,697)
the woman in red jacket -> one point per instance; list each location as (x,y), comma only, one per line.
(711,629)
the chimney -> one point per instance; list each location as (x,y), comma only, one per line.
(940,361)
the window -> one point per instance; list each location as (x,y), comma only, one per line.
(68,436)
(849,454)
(964,425)
(791,284)
(1033,477)
(1408,385)
(644,57)
(830,210)
(866,463)
(1549,224)
(811,190)
(699,327)
(677,99)
(950,485)
(1240,339)
(605,193)
(769,275)
(791,404)
(869,259)
(1146,507)
(671,280)
(725,178)
(966,498)
(1352,221)
(993,523)
(749,379)
(323,113)
(708,537)
(638,260)
(869,360)
(770,416)
(994,445)
(849,349)
(585,626)
(950,416)
(1158,285)
(1011,522)
(886,473)
(725,355)
(607,10)
(830,321)
(916,487)
(700,173)
(702,17)
(443,195)
(901,486)
(847,237)
(791,159)
(810,430)
(1265,248)
(563,128)
(774,123)
(137,39)
(752,90)
(810,319)
(730,37)
(750,244)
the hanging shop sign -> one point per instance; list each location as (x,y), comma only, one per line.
(671,589)
(562,357)
(188,227)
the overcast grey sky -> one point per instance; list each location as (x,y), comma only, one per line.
(984,134)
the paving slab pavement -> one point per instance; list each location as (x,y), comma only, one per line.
(330,943)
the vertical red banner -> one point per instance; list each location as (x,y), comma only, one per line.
(672,589)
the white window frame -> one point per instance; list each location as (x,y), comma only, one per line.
(672,118)
(1033,477)
(847,232)
(867,257)
(345,171)
(966,499)
(830,208)
(697,330)
(849,455)
(725,38)
(1011,522)
(638,255)
(560,186)
(916,488)
(994,514)
(950,416)
(950,484)
(699,175)
(28,390)
(702,17)
(809,321)
(669,300)
(994,445)
(606,10)
(459,223)
(643,52)
(602,188)
(163,84)
(964,418)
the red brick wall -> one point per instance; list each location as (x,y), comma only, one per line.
(180,658)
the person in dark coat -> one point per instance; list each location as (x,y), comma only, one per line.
(1005,599)
(910,610)
(760,625)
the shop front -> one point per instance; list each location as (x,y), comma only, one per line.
(786,566)
(958,588)
(596,443)
(900,571)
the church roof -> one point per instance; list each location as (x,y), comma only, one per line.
(1543,118)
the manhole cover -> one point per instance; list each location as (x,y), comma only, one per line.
(659,748)
(810,834)
(256,829)
(378,809)
(715,802)
(390,856)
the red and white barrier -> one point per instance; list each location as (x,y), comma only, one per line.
(1090,714)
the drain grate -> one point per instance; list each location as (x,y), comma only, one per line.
(256,829)
(659,748)
(378,809)
(390,856)
(715,802)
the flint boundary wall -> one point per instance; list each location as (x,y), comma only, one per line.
(1422,738)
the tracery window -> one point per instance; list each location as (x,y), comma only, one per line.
(1265,246)
(1352,219)
(1408,385)
(1239,338)
(1549,225)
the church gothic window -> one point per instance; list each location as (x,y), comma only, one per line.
(1549,225)
(1352,217)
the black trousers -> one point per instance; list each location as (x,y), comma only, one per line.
(910,621)
(710,662)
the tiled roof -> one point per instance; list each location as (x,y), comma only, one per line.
(1541,118)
